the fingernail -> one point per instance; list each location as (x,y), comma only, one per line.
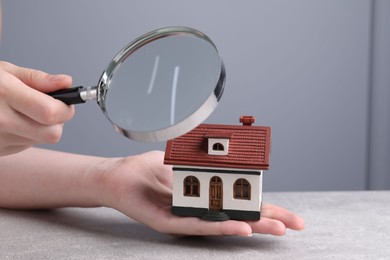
(58,77)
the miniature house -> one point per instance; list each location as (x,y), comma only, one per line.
(218,170)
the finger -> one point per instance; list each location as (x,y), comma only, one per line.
(11,143)
(38,80)
(23,127)
(268,226)
(34,104)
(13,149)
(290,219)
(7,139)
(196,227)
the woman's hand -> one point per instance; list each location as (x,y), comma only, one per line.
(141,187)
(27,115)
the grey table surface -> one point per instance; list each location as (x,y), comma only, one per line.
(339,225)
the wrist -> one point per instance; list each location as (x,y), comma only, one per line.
(101,181)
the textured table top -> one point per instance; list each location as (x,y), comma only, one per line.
(339,225)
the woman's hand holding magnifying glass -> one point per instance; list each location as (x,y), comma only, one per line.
(29,116)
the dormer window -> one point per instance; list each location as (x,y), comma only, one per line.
(218,143)
(218,147)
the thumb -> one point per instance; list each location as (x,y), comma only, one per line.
(39,80)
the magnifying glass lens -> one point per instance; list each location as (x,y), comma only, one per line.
(159,86)
(162,83)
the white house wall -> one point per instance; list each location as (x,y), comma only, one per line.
(228,180)
(186,201)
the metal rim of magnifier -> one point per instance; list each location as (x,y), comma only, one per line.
(182,127)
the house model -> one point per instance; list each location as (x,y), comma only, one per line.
(218,170)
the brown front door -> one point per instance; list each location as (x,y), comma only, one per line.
(215,202)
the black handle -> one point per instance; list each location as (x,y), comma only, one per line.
(69,96)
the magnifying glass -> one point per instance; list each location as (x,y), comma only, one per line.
(158,87)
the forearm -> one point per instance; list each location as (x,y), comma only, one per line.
(37,178)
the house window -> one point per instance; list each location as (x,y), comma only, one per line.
(218,147)
(191,186)
(242,189)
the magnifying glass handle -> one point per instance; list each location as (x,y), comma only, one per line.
(75,95)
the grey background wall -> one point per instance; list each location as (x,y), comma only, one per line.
(316,71)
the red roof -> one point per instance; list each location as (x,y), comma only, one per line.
(249,147)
